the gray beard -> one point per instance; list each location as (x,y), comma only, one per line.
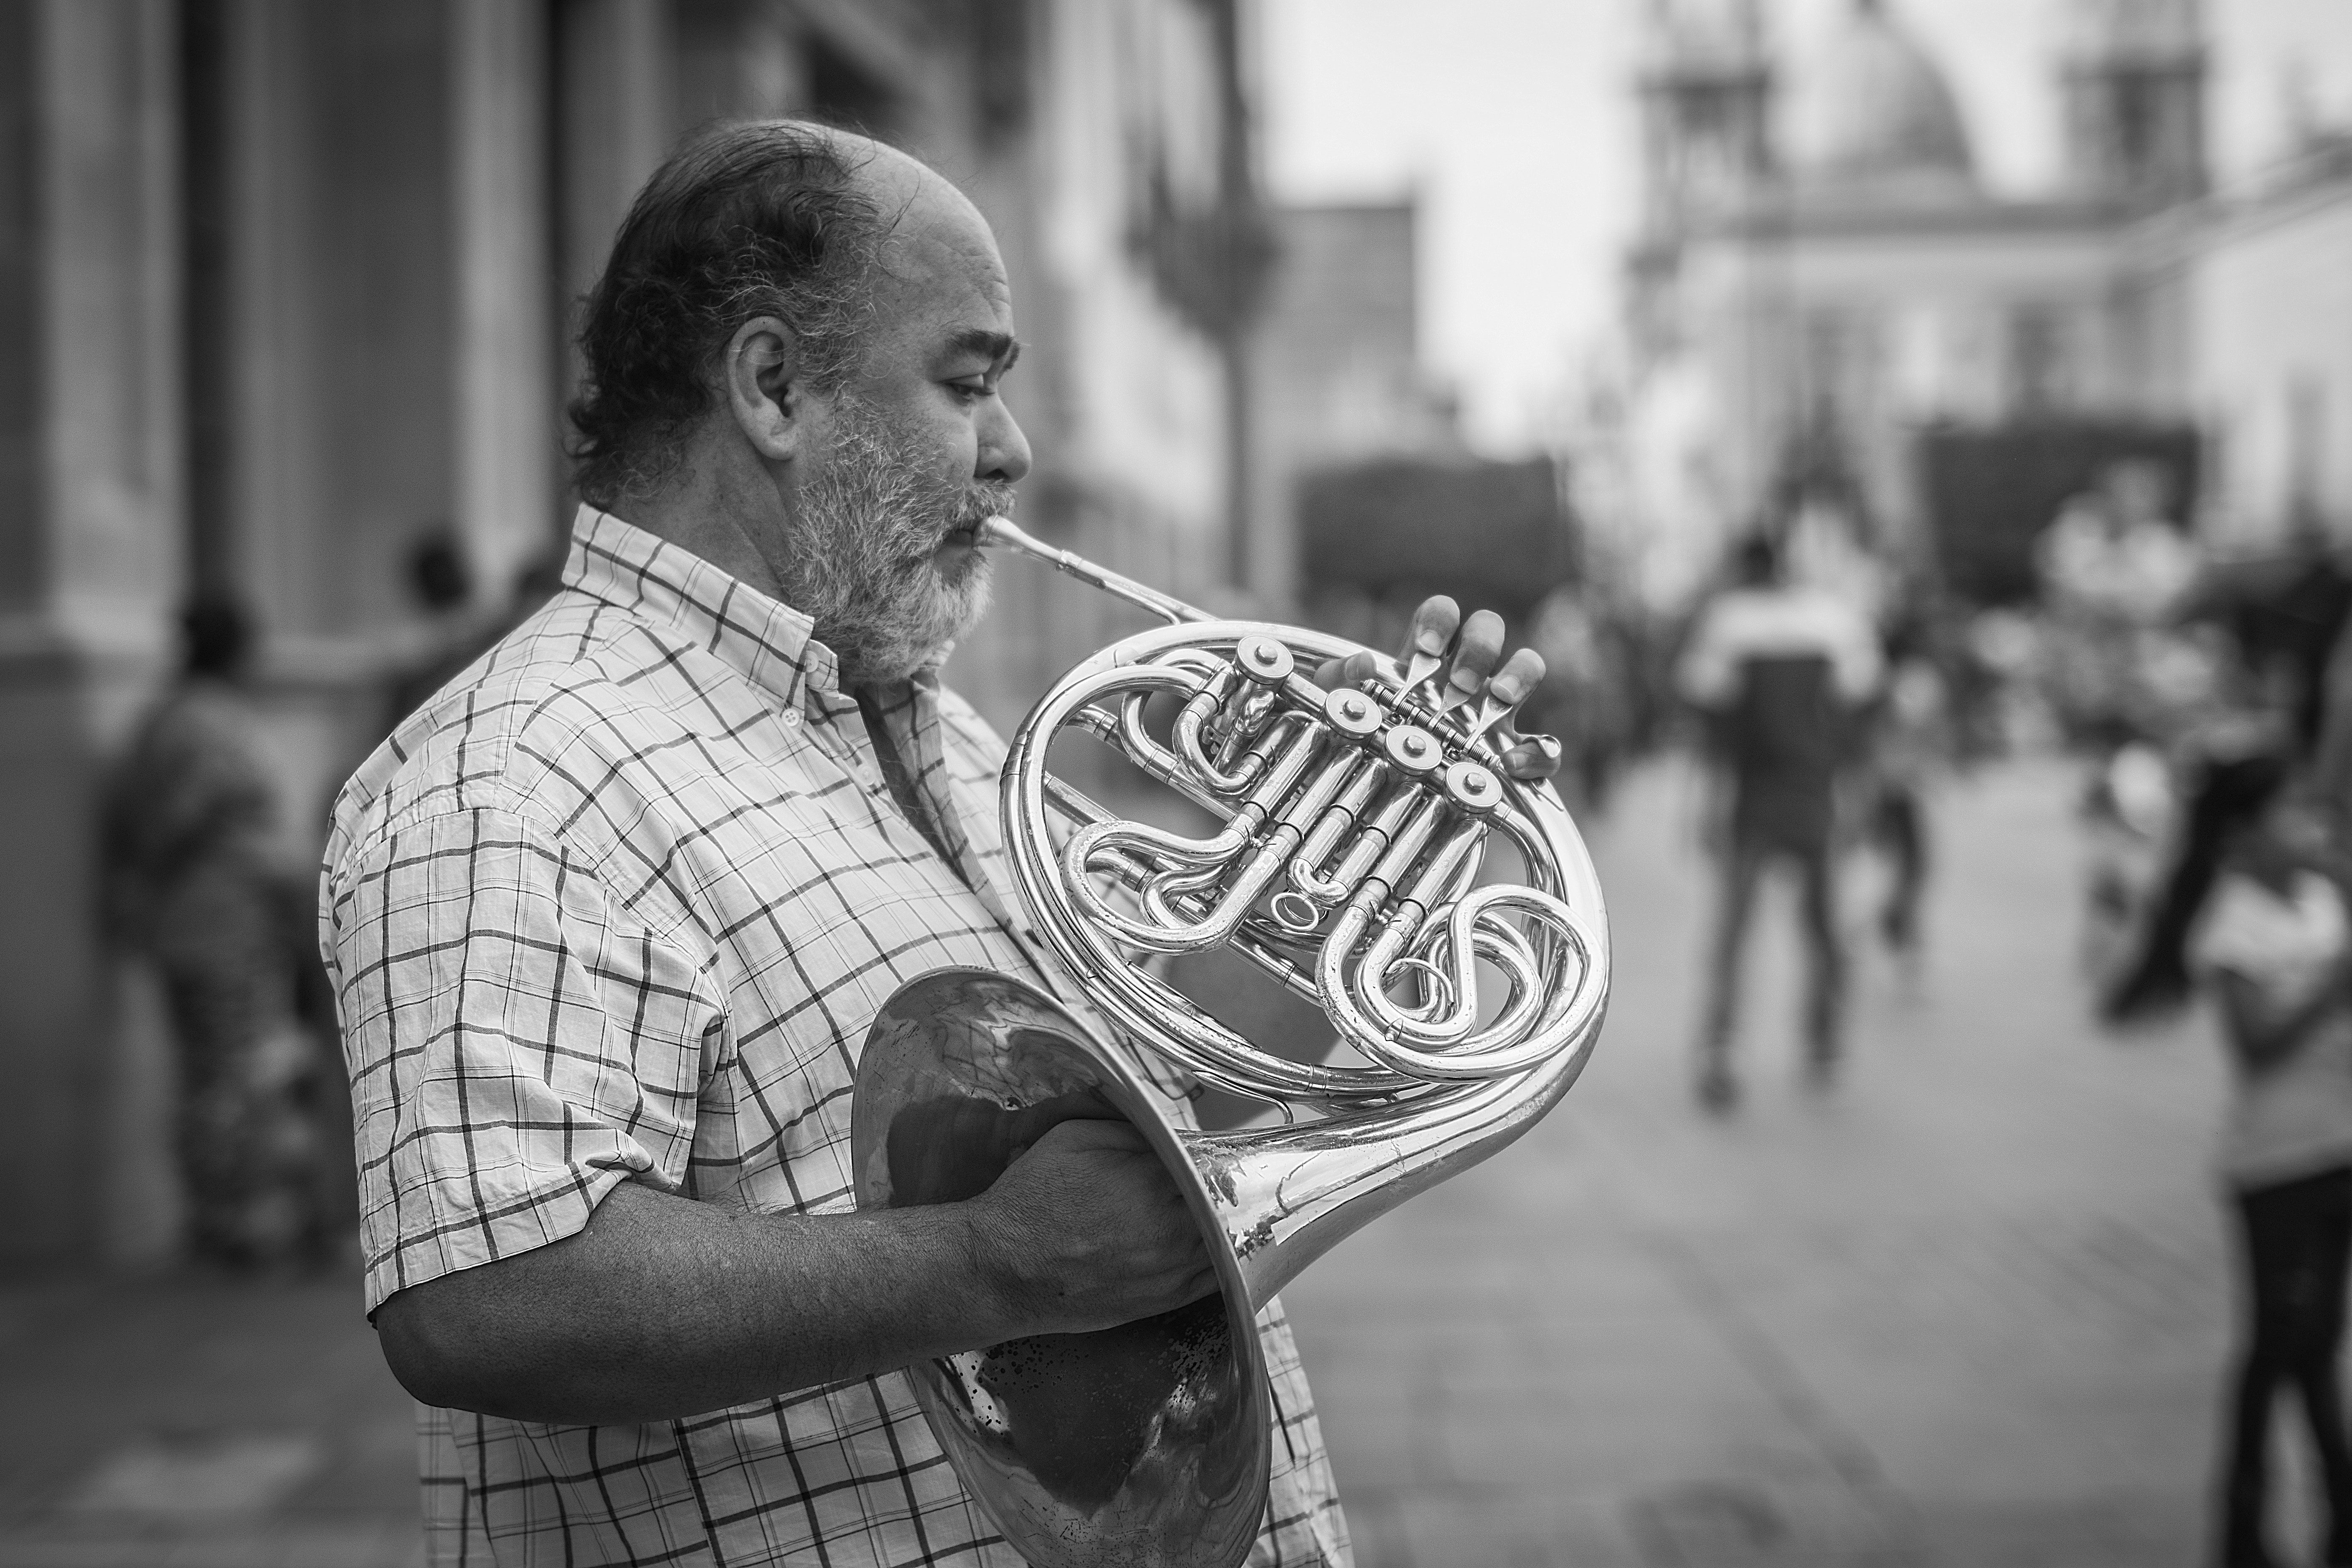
(860,564)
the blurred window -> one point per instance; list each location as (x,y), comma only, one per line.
(2038,368)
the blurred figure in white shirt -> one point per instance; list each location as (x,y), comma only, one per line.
(2275,945)
(1781,671)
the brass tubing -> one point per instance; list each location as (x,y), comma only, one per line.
(1189,855)
(1137,741)
(1371,843)
(1272,851)
(1532,1026)
(1174,883)
(1186,734)
(998,532)
(1532,934)
(1306,873)
(1243,722)
(1428,890)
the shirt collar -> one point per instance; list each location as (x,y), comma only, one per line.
(768,642)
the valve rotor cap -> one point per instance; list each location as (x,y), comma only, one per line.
(1264,659)
(1473,787)
(1353,713)
(1414,750)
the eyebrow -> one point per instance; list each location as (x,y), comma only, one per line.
(1000,349)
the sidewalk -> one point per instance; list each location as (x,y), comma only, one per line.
(1968,1310)
(1967,1307)
(196,1424)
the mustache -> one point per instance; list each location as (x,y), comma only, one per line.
(976,502)
(987,500)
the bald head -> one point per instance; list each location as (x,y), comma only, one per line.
(929,231)
(811,225)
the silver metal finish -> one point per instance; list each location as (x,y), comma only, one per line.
(1144,1445)
(1351,866)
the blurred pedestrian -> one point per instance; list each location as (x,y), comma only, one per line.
(194,886)
(1911,745)
(2112,567)
(1585,698)
(2115,552)
(2270,712)
(1780,671)
(442,584)
(2237,757)
(2276,944)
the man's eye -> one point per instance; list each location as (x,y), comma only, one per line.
(969,390)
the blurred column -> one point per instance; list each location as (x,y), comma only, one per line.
(505,437)
(257,495)
(615,92)
(90,520)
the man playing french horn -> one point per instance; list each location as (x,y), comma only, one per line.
(610,916)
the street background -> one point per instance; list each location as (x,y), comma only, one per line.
(1968,1307)
(2018,332)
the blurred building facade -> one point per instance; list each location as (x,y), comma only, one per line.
(1336,373)
(1366,495)
(286,287)
(2257,292)
(1822,276)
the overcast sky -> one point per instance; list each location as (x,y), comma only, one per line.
(1513,120)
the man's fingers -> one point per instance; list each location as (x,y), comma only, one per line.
(1477,665)
(1532,757)
(1477,651)
(1434,626)
(1520,675)
(1333,673)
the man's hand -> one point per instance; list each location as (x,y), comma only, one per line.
(1086,1229)
(1464,653)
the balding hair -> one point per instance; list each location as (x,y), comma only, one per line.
(759,219)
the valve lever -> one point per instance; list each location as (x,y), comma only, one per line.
(1491,713)
(1421,669)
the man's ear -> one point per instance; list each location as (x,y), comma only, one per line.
(761,375)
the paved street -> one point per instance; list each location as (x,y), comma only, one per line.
(1968,1307)
(201,1426)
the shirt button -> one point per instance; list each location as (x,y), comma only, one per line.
(792,718)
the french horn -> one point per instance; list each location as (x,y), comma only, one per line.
(1351,867)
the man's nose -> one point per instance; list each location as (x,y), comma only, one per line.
(1004,449)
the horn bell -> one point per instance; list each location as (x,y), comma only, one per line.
(1145,1445)
(1148,1443)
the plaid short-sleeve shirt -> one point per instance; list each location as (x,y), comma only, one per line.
(619,904)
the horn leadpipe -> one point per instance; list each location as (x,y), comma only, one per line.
(999,532)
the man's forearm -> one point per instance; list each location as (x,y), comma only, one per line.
(663,1307)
